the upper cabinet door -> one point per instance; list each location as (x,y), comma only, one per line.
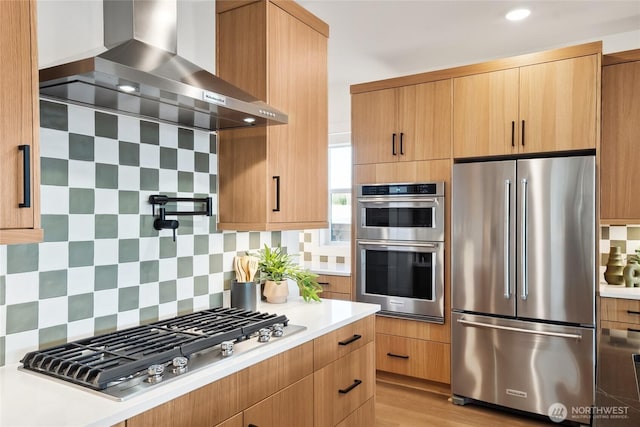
(374,131)
(425,120)
(407,123)
(19,213)
(620,137)
(558,105)
(485,114)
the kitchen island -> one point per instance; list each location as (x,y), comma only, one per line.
(32,400)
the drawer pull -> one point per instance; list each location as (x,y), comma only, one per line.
(355,384)
(637,313)
(399,356)
(356,337)
(324,283)
(633,330)
(252,425)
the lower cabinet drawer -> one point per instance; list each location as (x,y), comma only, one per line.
(335,295)
(620,310)
(343,386)
(364,416)
(430,360)
(340,284)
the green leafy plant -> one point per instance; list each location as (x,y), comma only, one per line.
(635,257)
(276,265)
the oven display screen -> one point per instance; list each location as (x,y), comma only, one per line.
(399,189)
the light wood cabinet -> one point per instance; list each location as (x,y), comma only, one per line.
(429,360)
(335,287)
(334,345)
(620,138)
(413,349)
(402,124)
(344,385)
(364,416)
(290,407)
(551,106)
(235,421)
(620,313)
(19,125)
(274,178)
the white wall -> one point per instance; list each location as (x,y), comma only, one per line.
(72,29)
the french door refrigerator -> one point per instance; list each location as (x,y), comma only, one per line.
(523,285)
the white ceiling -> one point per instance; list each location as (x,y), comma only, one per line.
(378,39)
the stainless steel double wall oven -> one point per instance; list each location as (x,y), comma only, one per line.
(400,249)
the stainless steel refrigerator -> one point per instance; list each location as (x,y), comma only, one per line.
(523,285)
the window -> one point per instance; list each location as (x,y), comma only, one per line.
(339,195)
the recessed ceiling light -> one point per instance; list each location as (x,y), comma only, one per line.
(249,120)
(517,14)
(127,88)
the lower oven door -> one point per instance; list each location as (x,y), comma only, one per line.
(405,278)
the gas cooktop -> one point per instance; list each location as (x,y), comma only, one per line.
(124,363)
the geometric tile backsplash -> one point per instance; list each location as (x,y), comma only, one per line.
(627,237)
(102,265)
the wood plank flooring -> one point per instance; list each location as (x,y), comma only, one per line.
(399,406)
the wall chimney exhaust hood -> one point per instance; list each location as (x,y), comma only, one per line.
(141,74)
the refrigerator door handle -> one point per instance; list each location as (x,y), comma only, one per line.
(507,196)
(526,331)
(523,256)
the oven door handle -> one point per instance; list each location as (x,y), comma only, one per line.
(387,200)
(389,244)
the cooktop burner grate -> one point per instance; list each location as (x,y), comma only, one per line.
(98,361)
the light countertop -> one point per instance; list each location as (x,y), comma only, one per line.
(328,268)
(608,291)
(31,400)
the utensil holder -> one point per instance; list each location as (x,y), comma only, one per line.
(244,295)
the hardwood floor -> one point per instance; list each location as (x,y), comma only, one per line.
(400,406)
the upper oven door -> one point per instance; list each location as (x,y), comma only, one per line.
(409,218)
(405,278)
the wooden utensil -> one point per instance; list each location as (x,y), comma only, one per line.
(252,267)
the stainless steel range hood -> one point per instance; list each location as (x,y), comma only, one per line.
(141,38)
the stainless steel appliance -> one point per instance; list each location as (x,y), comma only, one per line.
(141,73)
(400,249)
(618,378)
(125,363)
(523,284)
(407,212)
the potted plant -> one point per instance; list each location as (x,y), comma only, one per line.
(275,267)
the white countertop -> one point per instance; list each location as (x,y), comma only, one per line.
(608,291)
(31,400)
(328,268)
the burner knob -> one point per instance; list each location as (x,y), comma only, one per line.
(264,335)
(278,329)
(227,348)
(155,373)
(180,365)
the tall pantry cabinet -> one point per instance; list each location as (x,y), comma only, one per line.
(19,118)
(274,178)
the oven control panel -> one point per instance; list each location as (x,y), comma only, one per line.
(430,189)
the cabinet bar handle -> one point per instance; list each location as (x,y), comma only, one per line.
(277,178)
(399,356)
(513,133)
(401,144)
(348,341)
(633,330)
(252,425)
(355,384)
(393,144)
(633,312)
(324,283)
(26,176)
(523,133)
